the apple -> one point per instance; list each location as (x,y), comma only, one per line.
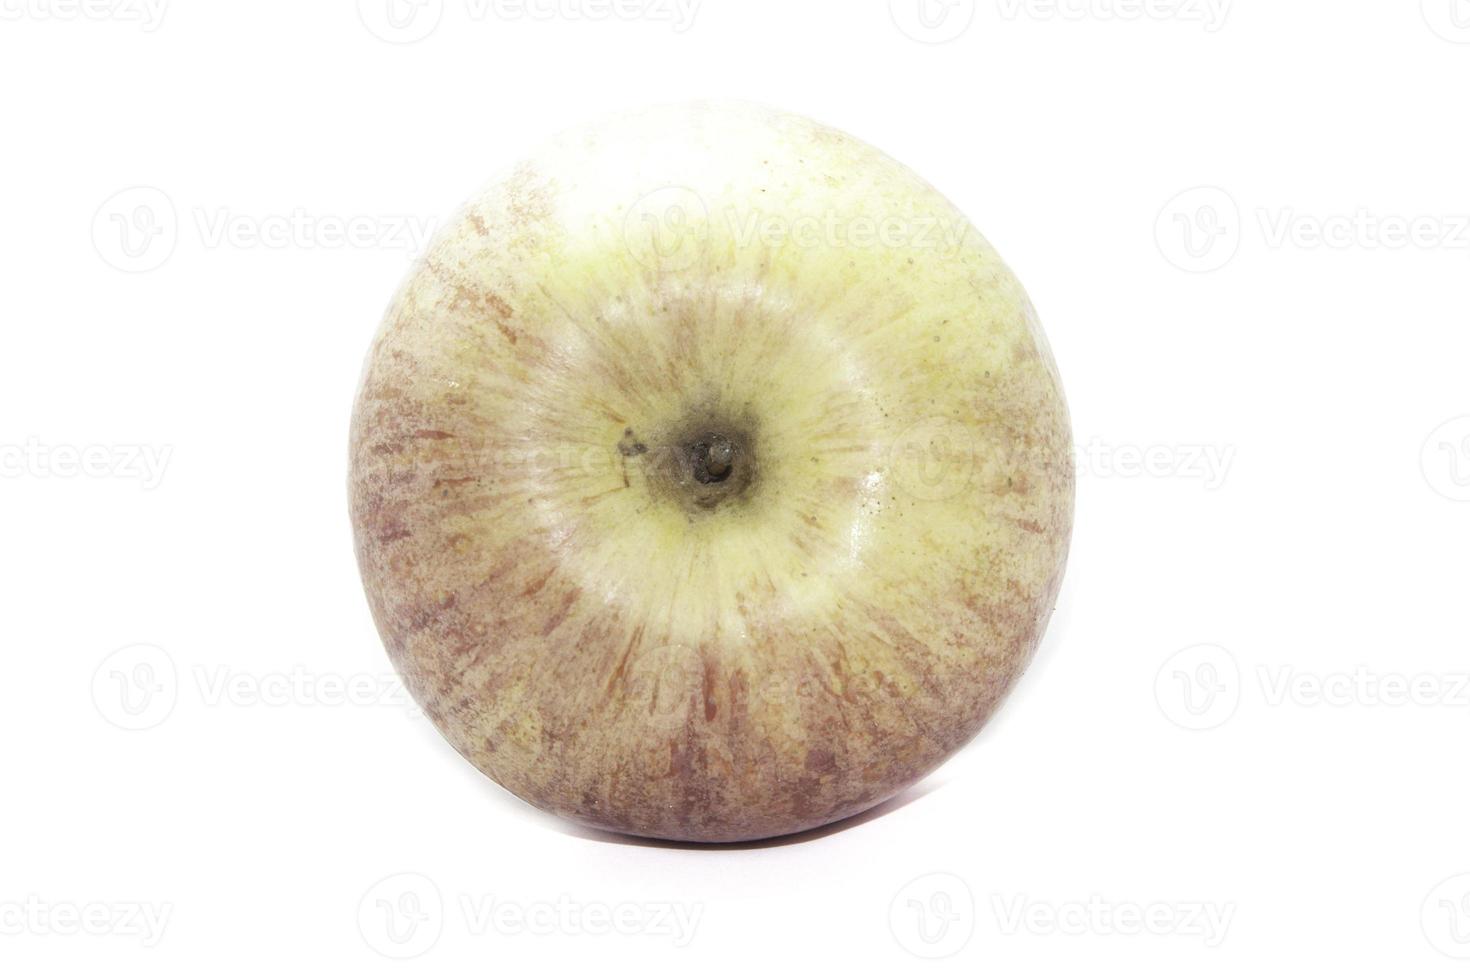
(711,477)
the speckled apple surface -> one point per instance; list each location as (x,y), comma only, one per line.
(711,477)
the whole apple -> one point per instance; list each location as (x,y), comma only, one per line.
(711,477)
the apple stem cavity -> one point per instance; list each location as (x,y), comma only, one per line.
(713,458)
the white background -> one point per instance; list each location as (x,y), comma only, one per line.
(1242,745)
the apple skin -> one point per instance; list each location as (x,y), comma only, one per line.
(625,644)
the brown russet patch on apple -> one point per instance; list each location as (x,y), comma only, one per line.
(635,638)
(711,673)
(564,610)
(821,762)
(537,584)
(481,303)
(390,532)
(529,197)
